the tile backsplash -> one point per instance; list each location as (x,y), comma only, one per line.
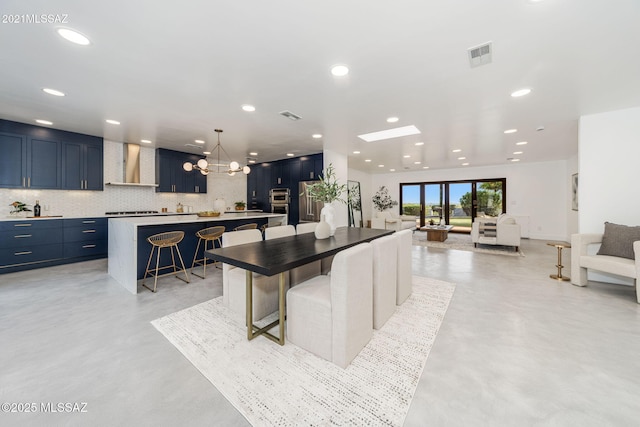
(96,203)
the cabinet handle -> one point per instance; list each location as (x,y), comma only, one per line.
(24,181)
(279,180)
(22,225)
(88,231)
(88,246)
(29,182)
(22,236)
(88,222)
(23,253)
(311,175)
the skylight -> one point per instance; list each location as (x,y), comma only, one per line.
(390,133)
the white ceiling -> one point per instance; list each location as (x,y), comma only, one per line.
(172,72)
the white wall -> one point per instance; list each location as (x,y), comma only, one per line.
(94,203)
(609,153)
(537,190)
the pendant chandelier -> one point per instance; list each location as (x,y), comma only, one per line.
(205,167)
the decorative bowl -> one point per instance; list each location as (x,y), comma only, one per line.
(208,213)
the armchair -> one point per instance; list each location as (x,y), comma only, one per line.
(582,260)
(502,230)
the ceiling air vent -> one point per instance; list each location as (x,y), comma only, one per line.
(290,115)
(480,55)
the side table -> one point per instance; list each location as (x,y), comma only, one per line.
(560,247)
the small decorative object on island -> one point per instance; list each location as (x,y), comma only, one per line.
(19,208)
(327,191)
(240,206)
(219,205)
(382,200)
(36,209)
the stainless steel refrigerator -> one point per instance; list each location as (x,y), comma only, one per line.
(309,209)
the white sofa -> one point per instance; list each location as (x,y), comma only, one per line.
(582,261)
(392,221)
(507,231)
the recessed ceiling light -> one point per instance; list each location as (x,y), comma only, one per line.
(248,108)
(515,160)
(44,122)
(521,143)
(390,133)
(417,163)
(406,156)
(53,92)
(419,143)
(290,154)
(457,150)
(392,170)
(392,119)
(112,122)
(339,70)
(520,92)
(356,152)
(380,166)
(253,153)
(316,135)
(73,36)
(206,152)
(425,167)
(146,141)
(251,161)
(465,164)
(199,141)
(368,160)
(511,131)
(517,152)
(461,158)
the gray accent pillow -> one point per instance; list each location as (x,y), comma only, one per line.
(618,240)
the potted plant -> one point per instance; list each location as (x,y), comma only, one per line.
(327,191)
(18,208)
(240,206)
(382,200)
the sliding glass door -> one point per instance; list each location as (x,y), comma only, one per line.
(455,203)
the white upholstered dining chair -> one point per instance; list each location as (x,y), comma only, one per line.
(297,274)
(385,260)
(332,316)
(265,288)
(313,269)
(404,265)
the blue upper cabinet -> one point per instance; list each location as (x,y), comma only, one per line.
(42,158)
(171,176)
(82,166)
(13,161)
(311,167)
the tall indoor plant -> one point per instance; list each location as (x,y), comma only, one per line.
(382,200)
(327,191)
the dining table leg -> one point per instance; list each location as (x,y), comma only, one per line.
(252,330)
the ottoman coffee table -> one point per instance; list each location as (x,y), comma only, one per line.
(437,233)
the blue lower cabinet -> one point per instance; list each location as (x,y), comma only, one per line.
(28,257)
(89,248)
(30,244)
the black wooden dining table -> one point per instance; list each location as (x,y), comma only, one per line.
(278,256)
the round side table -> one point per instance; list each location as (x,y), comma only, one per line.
(560,247)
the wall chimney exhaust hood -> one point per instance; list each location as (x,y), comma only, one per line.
(131,167)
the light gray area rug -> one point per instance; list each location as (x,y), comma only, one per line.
(287,386)
(462,242)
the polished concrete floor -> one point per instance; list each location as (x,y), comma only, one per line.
(515,348)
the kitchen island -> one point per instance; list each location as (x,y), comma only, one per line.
(129,251)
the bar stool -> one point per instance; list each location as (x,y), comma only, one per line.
(210,234)
(251,226)
(170,240)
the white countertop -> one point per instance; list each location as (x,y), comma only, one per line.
(226,215)
(181,219)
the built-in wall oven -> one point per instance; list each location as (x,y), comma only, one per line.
(280,199)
